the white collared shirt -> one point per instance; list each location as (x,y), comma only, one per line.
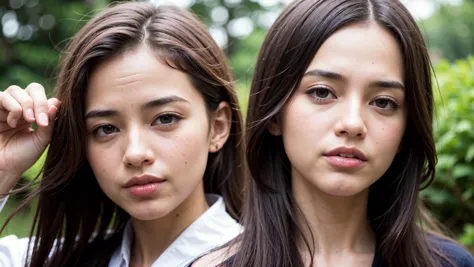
(212,229)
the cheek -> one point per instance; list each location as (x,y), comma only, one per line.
(295,117)
(183,150)
(387,140)
(389,135)
(104,161)
(302,128)
(187,154)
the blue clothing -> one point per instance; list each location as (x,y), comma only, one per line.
(458,255)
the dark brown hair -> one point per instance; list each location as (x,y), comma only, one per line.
(72,207)
(271,228)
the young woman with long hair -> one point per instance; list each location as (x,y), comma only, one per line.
(145,157)
(339,143)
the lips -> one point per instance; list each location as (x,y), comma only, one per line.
(347,152)
(143,180)
(347,158)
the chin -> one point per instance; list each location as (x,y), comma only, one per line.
(342,189)
(342,192)
(144,212)
(147,216)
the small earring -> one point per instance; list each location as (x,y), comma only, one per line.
(217,146)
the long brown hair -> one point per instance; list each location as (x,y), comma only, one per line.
(72,207)
(271,228)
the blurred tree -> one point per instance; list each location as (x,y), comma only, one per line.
(450,31)
(239,26)
(33,33)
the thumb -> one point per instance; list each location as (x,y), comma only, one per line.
(44,132)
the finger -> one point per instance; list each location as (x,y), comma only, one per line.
(44,133)
(53,102)
(3,115)
(52,112)
(25,101)
(10,105)
(40,103)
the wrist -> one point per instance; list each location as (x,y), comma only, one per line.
(7,182)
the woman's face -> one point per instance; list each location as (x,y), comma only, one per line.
(148,134)
(345,123)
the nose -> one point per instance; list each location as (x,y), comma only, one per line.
(351,123)
(137,152)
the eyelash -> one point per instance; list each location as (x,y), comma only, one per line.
(312,93)
(96,130)
(174,119)
(393,102)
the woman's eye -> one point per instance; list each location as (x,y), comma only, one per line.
(167,119)
(321,93)
(105,130)
(385,103)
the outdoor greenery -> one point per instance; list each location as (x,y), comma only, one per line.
(452,194)
(450,32)
(43,27)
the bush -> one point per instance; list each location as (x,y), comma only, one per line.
(451,196)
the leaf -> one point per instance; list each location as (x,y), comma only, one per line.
(446,141)
(446,161)
(467,195)
(463,126)
(462,170)
(467,238)
(438,196)
(470,153)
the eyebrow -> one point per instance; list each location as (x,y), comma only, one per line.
(338,77)
(99,113)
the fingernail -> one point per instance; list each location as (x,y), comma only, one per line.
(30,114)
(43,119)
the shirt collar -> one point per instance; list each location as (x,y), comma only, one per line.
(121,256)
(213,228)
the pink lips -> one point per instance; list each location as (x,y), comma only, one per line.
(142,186)
(345,157)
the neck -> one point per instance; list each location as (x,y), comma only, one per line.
(338,224)
(152,238)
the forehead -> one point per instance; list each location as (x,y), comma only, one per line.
(137,75)
(361,49)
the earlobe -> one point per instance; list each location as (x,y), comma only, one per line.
(274,129)
(221,124)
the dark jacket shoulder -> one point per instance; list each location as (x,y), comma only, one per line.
(455,252)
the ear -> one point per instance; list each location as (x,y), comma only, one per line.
(221,123)
(275,129)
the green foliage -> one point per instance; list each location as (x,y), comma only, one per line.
(34,58)
(450,32)
(245,56)
(451,196)
(35,170)
(21,224)
(467,238)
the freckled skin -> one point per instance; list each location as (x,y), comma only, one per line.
(143,144)
(312,125)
